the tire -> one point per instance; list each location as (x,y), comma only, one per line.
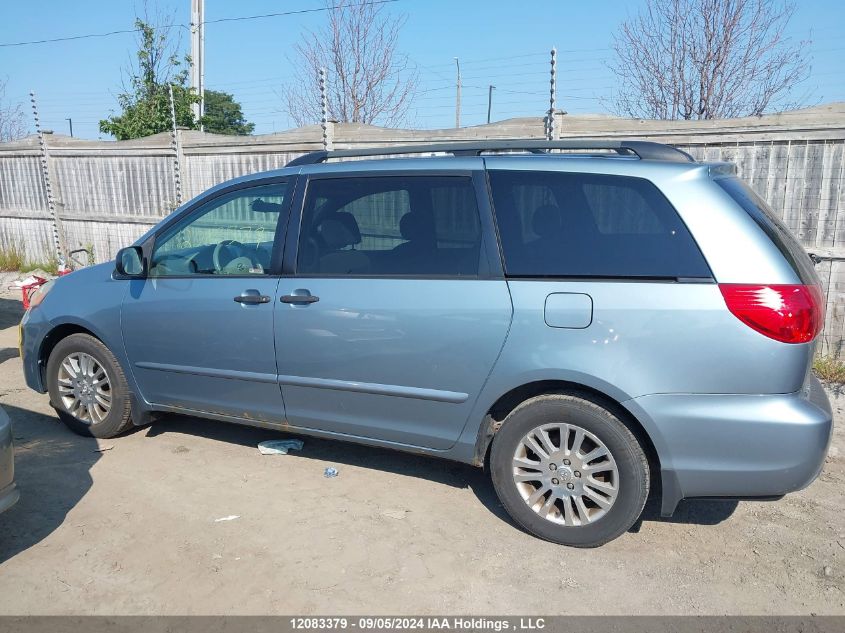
(621,493)
(90,417)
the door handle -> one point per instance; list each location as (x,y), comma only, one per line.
(252,297)
(303,298)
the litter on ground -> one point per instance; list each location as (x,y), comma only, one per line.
(279,447)
(330,472)
(231,517)
(395,514)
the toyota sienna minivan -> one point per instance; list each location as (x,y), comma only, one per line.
(588,320)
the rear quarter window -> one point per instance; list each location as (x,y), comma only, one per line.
(560,224)
(785,241)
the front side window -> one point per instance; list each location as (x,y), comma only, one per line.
(560,224)
(231,235)
(392,225)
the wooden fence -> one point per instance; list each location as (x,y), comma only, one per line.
(109,193)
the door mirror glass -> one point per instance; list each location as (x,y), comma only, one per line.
(130,262)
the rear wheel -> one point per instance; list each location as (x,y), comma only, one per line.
(569,471)
(88,388)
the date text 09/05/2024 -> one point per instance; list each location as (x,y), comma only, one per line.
(419,623)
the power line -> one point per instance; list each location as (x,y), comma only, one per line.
(68,38)
(185,26)
(282,13)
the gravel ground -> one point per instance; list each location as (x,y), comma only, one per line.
(133,526)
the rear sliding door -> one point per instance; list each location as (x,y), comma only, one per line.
(397,309)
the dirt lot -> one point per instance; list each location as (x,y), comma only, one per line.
(134,529)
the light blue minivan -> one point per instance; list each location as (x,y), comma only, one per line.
(589,320)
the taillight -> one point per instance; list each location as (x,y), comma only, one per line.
(787,313)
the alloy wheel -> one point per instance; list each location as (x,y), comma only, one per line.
(565,474)
(84,388)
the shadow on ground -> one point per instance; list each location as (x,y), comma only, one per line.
(692,511)
(430,468)
(52,472)
(11,312)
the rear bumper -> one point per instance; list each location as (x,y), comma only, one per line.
(8,497)
(8,492)
(737,446)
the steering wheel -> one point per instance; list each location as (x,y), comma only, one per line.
(239,250)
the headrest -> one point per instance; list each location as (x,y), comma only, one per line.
(547,220)
(414,228)
(339,230)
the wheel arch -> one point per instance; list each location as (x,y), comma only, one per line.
(507,402)
(60,331)
(65,328)
(52,338)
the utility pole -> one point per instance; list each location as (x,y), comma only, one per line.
(490,101)
(198,57)
(458,95)
(70,123)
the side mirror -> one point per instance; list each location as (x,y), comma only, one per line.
(130,262)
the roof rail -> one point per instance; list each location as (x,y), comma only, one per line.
(646,150)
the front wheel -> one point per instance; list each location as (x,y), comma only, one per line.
(88,388)
(569,471)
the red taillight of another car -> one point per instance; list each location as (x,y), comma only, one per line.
(786,313)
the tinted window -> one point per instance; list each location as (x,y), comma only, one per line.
(230,235)
(396,225)
(590,225)
(766,219)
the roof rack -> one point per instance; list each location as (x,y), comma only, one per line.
(646,150)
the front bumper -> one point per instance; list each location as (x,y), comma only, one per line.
(32,330)
(737,446)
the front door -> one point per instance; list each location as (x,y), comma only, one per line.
(396,312)
(199,330)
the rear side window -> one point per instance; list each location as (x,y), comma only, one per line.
(765,217)
(390,226)
(558,224)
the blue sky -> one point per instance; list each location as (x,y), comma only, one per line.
(504,43)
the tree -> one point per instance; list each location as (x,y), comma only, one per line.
(12,121)
(368,81)
(707,59)
(223,114)
(145,103)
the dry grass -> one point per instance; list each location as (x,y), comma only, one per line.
(829,369)
(50,266)
(12,257)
